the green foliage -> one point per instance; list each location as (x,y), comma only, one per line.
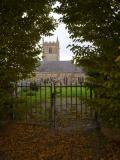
(22,25)
(19,108)
(31,93)
(44,93)
(33,86)
(98,23)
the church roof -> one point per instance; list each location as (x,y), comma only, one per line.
(59,66)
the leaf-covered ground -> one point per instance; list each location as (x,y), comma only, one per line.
(33,142)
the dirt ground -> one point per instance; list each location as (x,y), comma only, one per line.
(34,142)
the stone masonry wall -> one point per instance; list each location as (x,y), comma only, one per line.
(59,77)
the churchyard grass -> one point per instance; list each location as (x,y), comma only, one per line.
(39,100)
(44,93)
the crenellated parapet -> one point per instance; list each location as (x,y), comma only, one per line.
(51,51)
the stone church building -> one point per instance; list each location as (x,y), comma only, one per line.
(52,69)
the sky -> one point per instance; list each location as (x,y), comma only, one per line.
(62,33)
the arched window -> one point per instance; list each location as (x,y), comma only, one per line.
(50,50)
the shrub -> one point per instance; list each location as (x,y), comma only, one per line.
(31,93)
(33,86)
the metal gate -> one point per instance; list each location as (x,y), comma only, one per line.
(55,104)
(69,105)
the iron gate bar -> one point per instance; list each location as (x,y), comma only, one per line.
(91,96)
(46,100)
(71,93)
(36,100)
(61,95)
(51,106)
(76,100)
(81,98)
(66,95)
(54,107)
(40,98)
(85,98)
(26,103)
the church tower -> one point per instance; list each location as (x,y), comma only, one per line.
(51,51)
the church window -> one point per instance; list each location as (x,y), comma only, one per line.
(50,50)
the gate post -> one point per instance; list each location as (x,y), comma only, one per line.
(92,114)
(53,99)
(53,109)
